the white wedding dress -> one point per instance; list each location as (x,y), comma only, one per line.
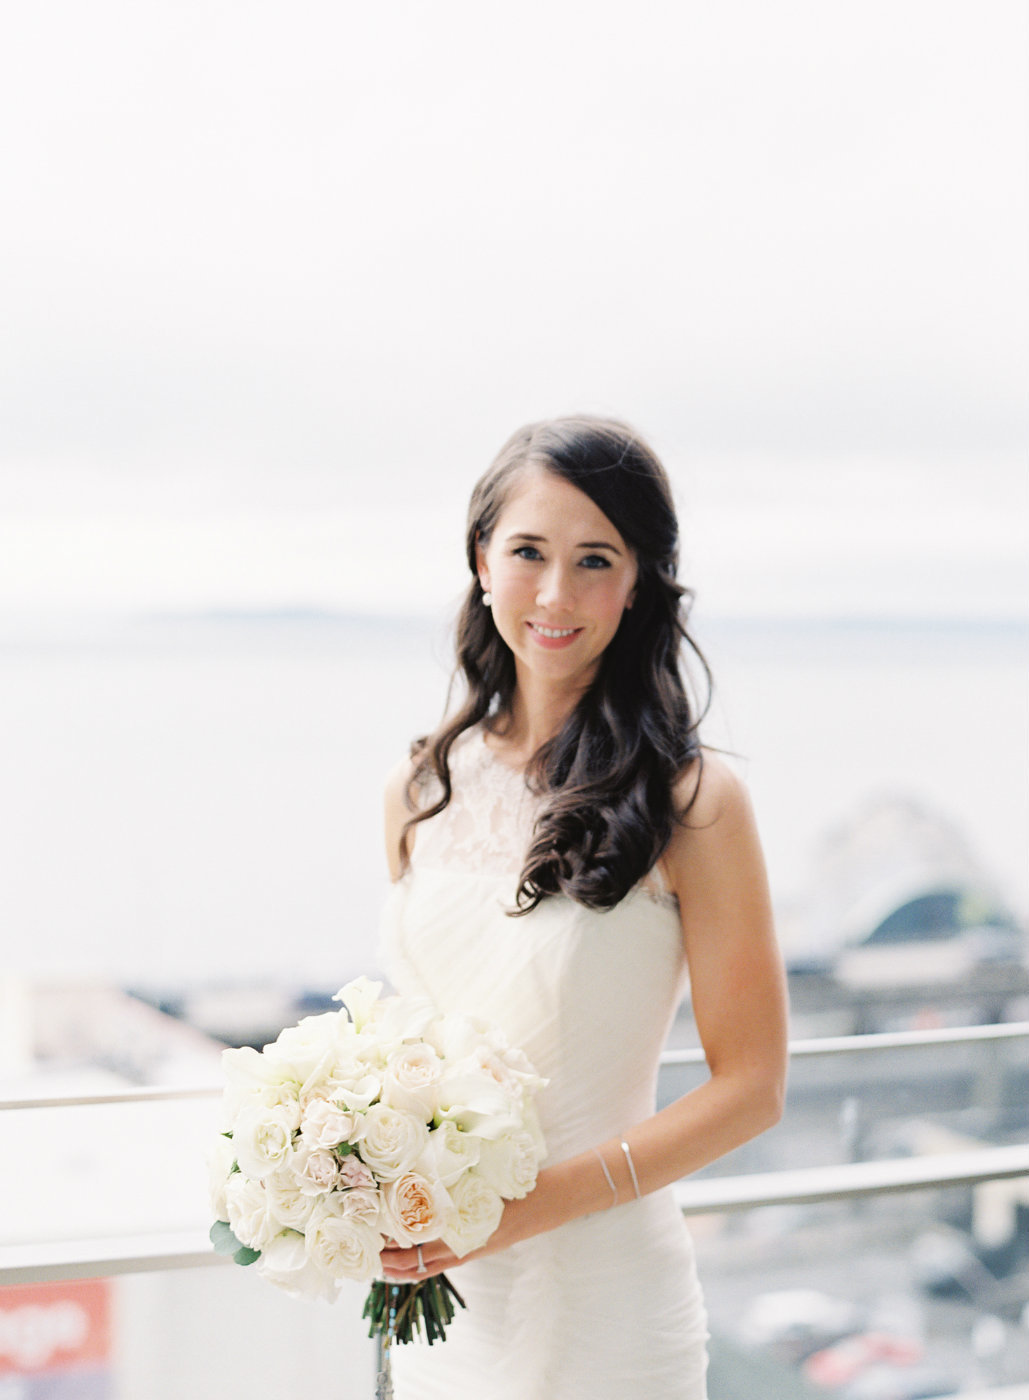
(608,1306)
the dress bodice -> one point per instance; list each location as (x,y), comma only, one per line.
(588,994)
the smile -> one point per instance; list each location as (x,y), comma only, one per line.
(554,631)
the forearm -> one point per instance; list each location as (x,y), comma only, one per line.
(693,1131)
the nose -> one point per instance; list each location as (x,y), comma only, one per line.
(556,590)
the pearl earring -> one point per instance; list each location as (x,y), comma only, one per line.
(487,599)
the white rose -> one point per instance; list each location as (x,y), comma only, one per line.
(392,1141)
(342,1245)
(315,1170)
(414,1208)
(288,1203)
(286,1263)
(477,1209)
(262,1138)
(247,1208)
(219,1162)
(510,1164)
(449,1153)
(326,1125)
(411,1079)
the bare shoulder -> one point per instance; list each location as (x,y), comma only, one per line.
(713,792)
(717,832)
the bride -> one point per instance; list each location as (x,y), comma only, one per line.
(567,858)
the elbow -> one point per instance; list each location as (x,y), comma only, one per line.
(766,1102)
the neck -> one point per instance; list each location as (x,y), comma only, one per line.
(538,711)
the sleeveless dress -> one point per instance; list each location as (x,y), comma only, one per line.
(607,1306)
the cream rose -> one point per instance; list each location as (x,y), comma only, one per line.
(326,1125)
(340,1244)
(414,1208)
(477,1209)
(286,1263)
(510,1164)
(219,1165)
(411,1080)
(249,1212)
(391,1141)
(288,1202)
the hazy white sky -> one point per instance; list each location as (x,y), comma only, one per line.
(277,280)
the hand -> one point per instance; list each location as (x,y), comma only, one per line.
(518,1222)
(402,1265)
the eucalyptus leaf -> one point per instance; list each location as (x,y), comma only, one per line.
(223,1239)
(245,1255)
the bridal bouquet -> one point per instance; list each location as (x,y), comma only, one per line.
(383,1121)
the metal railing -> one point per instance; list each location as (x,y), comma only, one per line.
(68,1259)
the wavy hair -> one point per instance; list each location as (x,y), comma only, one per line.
(606,778)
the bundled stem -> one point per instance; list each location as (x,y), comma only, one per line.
(400,1312)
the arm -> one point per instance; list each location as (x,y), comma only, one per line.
(715,866)
(397,812)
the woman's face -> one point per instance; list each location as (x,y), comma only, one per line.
(561,577)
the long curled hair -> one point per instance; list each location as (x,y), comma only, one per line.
(606,778)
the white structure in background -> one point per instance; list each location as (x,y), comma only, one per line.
(897,896)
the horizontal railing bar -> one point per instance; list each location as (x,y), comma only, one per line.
(851,1180)
(881,1040)
(135,1254)
(799,1049)
(152,1094)
(63,1259)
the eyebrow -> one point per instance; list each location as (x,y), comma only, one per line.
(586,544)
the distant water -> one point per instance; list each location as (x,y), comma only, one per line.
(200,799)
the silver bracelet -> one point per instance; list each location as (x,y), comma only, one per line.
(607,1175)
(632,1169)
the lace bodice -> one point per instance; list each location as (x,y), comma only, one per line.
(487,825)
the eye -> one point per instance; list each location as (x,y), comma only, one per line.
(595,561)
(527,551)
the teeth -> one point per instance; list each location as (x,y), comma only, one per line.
(553,631)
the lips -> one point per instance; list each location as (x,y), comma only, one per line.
(553,637)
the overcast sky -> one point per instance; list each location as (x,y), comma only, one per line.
(277,280)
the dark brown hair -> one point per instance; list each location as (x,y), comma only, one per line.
(606,777)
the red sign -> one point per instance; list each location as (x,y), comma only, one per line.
(55,1327)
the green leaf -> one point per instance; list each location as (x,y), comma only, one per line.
(223,1239)
(245,1255)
